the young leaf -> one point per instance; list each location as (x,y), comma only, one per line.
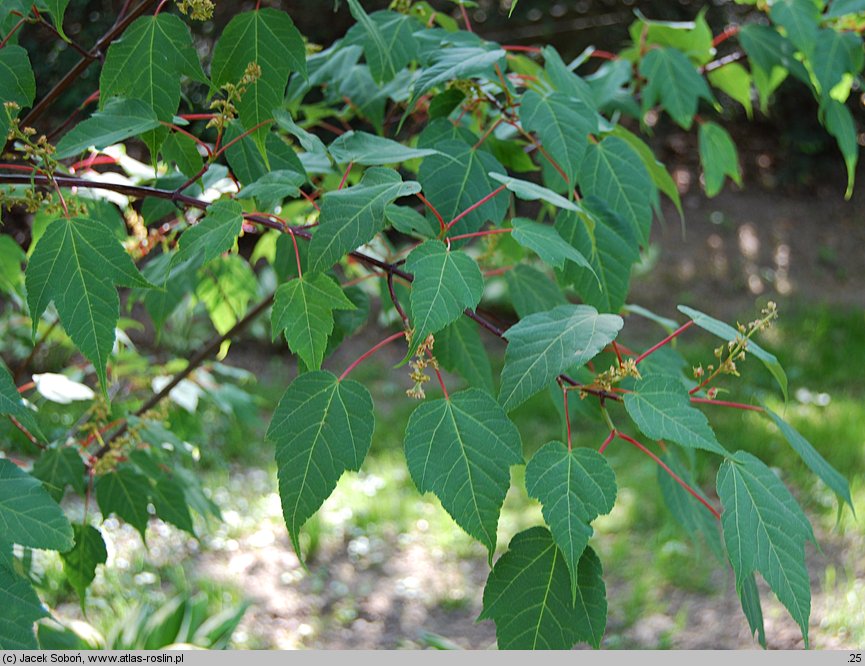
(16,81)
(765,530)
(268,38)
(459,348)
(612,171)
(531,291)
(812,458)
(370,150)
(119,120)
(353,216)
(675,82)
(247,163)
(226,288)
(574,487)
(545,344)
(718,157)
(321,428)
(446,282)
(528,191)
(125,492)
(274,187)
(450,64)
(546,242)
(563,125)
(77,264)
(527,595)
(60,467)
(28,515)
(80,563)
(408,221)
(661,408)
(461,449)
(303,308)
(213,235)
(835,55)
(727,332)
(389,44)
(21,608)
(457,178)
(735,81)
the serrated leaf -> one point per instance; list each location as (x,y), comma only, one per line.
(274,187)
(612,171)
(247,163)
(735,81)
(119,120)
(268,38)
(799,18)
(370,150)
(564,80)
(838,120)
(17,82)
(727,332)
(528,191)
(213,235)
(408,221)
(718,157)
(170,502)
(303,308)
(531,291)
(768,49)
(353,216)
(125,492)
(57,9)
(526,594)
(674,81)
(388,44)
(28,515)
(461,449)
(543,345)
(76,264)
(226,287)
(446,282)
(60,467)
(749,596)
(12,257)
(812,458)
(321,428)
(182,151)
(459,348)
(661,408)
(450,64)
(21,609)
(574,487)
(308,141)
(10,399)
(765,530)
(80,563)
(546,242)
(457,178)
(563,125)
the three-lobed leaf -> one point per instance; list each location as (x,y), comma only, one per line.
(370,150)
(673,81)
(125,492)
(213,235)
(118,120)
(718,157)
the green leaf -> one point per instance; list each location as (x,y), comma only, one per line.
(353,216)
(839,8)
(812,458)
(546,242)
(563,125)
(800,19)
(451,64)
(303,308)
(125,492)
(749,596)
(612,250)
(274,187)
(60,467)
(213,235)
(247,163)
(389,44)
(768,50)
(408,221)
(727,332)
(77,263)
(12,257)
(735,81)
(531,291)
(574,487)
(528,191)
(674,81)
(446,282)
(57,9)
(527,595)
(226,287)
(765,530)
(661,408)
(170,502)
(21,608)
(321,428)
(564,80)
(459,349)
(28,515)
(10,399)
(839,123)
(80,563)
(119,120)
(17,82)
(543,345)
(457,178)
(268,38)
(718,157)
(693,38)
(613,172)
(183,151)
(461,449)
(371,150)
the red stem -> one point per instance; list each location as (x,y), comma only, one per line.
(607,441)
(310,200)
(18,167)
(724,403)
(198,116)
(475,206)
(518,47)
(604,55)
(14,29)
(567,417)
(675,334)
(242,136)
(439,377)
(370,352)
(731,31)
(345,175)
(675,476)
(616,349)
(486,134)
(476,234)
(466,18)
(190,135)
(435,212)
(159,8)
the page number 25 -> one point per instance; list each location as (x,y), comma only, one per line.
(855,658)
